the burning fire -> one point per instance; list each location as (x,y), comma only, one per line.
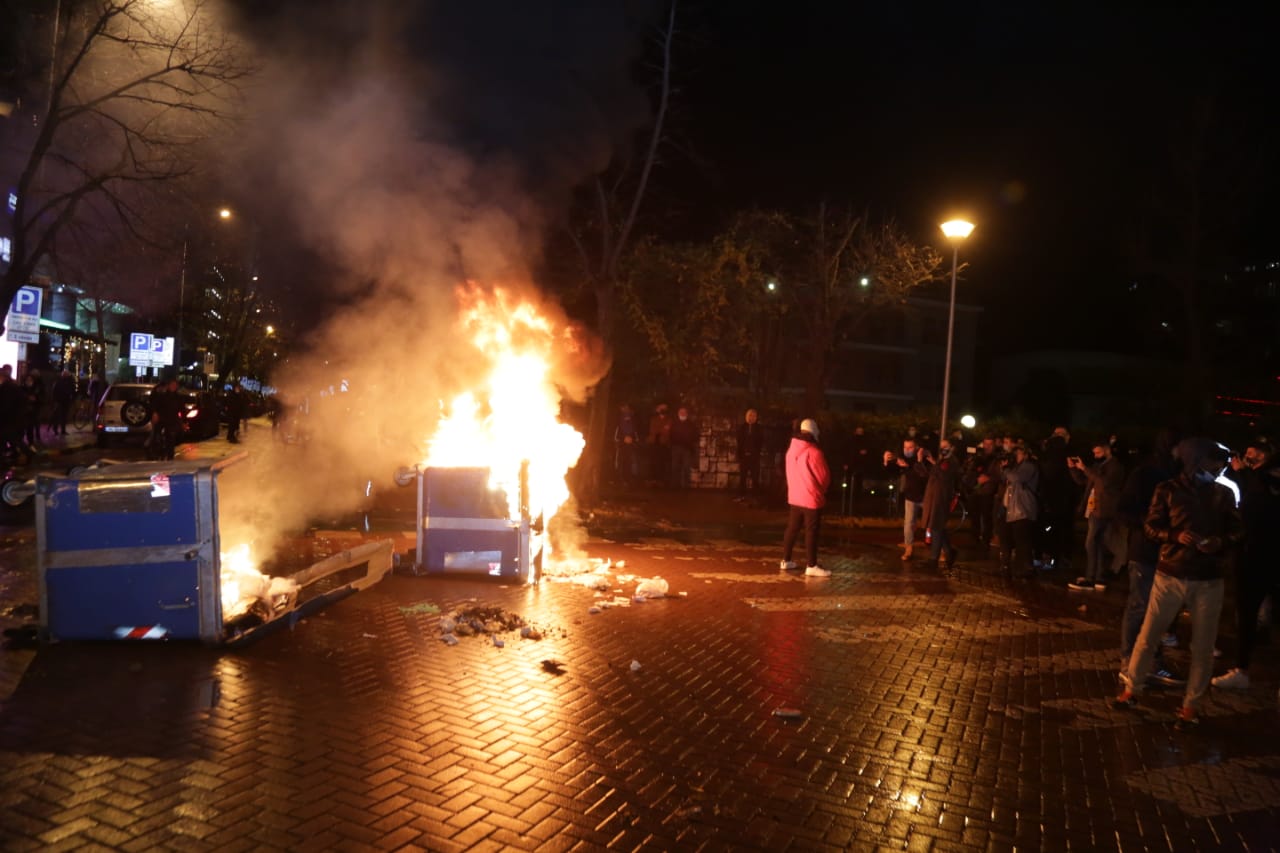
(513,414)
(243,584)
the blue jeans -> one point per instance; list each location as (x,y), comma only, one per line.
(1094,550)
(1135,610)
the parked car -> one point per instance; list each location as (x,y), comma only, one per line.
(201,415)
(124,413)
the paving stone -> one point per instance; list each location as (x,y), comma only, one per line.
(937,713)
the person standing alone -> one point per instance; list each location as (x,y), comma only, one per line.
(750,443)
(807,480)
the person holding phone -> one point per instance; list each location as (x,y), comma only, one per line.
(1103,481)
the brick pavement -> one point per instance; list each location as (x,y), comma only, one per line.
(937,714)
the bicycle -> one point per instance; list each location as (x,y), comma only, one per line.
(82,413)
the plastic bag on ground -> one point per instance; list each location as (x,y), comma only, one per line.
(652,588)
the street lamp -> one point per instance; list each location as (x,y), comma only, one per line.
(955,230)
(224,214)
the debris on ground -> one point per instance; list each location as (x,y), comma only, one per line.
(635,666)
(486,621)
(421,607)
(594,610)
(553,666)
(651,588)
(369,636)
(788,713)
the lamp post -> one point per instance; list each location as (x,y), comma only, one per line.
(225,215)
(955,230)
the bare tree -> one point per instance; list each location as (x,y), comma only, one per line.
(602,236)
(133,91)
(832,269)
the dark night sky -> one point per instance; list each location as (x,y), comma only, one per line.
(1043,122)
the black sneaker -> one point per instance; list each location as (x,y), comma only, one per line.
(1166,677)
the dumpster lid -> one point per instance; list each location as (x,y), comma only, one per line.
(135,470)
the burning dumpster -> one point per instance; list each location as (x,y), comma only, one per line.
(133,551)
(469,526)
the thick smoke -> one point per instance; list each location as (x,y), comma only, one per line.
(403,173)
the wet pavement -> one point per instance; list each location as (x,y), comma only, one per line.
(924,712)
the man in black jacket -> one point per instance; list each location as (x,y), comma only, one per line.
(1258,568)
(913,466)
(1196,523)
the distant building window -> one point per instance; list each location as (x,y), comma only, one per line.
(6,249)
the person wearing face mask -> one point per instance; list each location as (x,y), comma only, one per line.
(1020,505)
(1103,482)
(939,491)
(1258,568)
(913,468)
(684,447)
(1196,523)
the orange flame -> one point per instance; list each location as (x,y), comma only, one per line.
(512,415)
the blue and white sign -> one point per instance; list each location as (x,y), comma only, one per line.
(146,350)
(13,201)
(23,322)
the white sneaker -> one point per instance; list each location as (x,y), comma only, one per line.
(786,565)
(817,572)
(1236,679)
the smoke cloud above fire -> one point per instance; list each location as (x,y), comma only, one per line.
(413,148)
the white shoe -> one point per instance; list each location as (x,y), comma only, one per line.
(1236,679)
(786,565)
(817,572)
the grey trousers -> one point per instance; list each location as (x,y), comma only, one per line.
(1168,596)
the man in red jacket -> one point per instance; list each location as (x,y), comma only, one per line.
(807,479)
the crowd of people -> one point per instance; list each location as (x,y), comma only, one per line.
(1177,520)
(34,410)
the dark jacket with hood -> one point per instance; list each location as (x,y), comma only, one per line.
(1260,510)
(1135,498)
(1189,503)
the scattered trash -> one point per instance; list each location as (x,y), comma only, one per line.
(421,607)
(684,594)
(553,666)
(447,625)
(465,630)
(369,636)
(622,564)
(530,633)
(594,610)
(635,666)
(497,641)
(788,713)
(449,640)
(691,811)
(1083,608)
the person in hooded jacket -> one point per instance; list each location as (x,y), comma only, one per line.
(1021,505)
(1196,523)
(939,491)
(808,477)
(1143,553)
(1258,569)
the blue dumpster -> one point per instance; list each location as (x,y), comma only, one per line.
(130,551)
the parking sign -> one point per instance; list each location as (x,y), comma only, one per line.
(23,322)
